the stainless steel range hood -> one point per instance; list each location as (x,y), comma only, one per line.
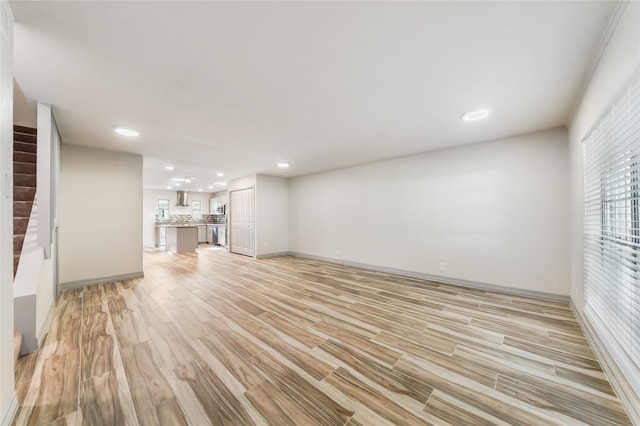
(183,199)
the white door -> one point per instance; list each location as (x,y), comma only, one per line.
(242,215)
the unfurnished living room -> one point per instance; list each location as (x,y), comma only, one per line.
(320,213)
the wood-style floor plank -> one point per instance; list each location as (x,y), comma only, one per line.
(211,338)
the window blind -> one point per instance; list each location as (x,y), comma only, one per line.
(611,155)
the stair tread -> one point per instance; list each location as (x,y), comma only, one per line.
(25,157)
(29,145)
(24,129)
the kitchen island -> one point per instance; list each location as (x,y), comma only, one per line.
(181,238)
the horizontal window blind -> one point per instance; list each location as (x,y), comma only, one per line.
(611,154)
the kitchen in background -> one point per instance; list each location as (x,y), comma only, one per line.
(206,211)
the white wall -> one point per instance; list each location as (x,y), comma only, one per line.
(494,213)
(620,57)
(99,214)
(224,193)
(150,209)
(24,114)
(47,193)
(272,215)
(242,183)
(7,393)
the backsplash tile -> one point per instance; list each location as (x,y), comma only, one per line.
(186,219)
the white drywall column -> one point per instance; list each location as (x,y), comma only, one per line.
(99,215)
(272,215)
(46,130)
(7,391)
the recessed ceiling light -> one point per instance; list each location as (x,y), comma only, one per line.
(219,174)
(220,183)
(176,184)
(188,180)
(211,187)
(475,115)
(168,187)
(125,132)
(200,189)
(169,167)
(283,165)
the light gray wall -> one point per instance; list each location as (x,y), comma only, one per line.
(272,215)
(99,214)
(7,393)
(24,114)
(494,213)
(620,57)
(242,183)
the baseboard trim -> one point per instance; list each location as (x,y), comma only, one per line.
(10,412)
(94,281)
(445,280)
(278,254)
(629,399)
(44,328)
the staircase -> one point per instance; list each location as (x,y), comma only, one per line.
(24,185)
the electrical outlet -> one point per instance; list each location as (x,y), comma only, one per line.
(442,266)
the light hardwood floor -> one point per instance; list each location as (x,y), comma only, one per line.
(214,338)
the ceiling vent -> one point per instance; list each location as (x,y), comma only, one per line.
(183,199)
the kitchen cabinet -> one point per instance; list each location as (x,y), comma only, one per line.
(202,233)
(217,234)
(222,235)
(181,239)
(160,236)
(216,205)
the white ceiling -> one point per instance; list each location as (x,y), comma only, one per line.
(238,86)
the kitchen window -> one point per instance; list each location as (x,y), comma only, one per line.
(163,209)
(196,209)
